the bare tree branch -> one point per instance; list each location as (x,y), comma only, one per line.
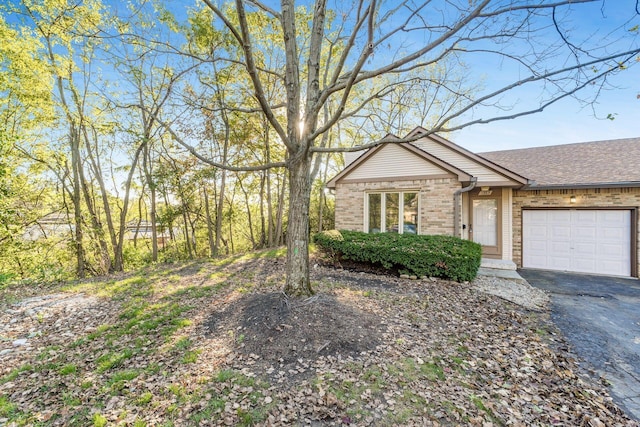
(441,126)
(546,76)
(195,152)
(227,23)
(349,45)
(348,86)
(313,64)
(265,8)
(356,78)
(514,8)
(292,71)
(245,41)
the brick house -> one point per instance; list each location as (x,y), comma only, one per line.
(569,207)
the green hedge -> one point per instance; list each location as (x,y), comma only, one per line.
(447,257)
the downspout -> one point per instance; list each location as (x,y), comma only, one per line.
(457,205)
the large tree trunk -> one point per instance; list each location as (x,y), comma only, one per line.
(118,250)
(297,282)
(277,238)
(96,225)
(207,210)
(223,179)
(146,166)
(94,162)
(76,197)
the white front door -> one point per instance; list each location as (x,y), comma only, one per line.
(485,225)
(584,241)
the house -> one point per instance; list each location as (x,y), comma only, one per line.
(58,225)
(569,207)
(143,230)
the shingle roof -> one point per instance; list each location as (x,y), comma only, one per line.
(600,162)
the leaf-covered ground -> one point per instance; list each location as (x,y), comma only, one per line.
(217,343)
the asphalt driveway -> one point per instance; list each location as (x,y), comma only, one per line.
(600,317)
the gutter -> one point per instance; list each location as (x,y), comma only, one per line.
(457,205)
(534,186)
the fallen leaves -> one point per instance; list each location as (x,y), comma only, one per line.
(368,350)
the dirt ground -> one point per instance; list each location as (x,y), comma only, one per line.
(367,349)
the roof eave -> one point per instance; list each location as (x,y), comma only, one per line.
(501,170)
(459,173)
(365,154)
(622,184)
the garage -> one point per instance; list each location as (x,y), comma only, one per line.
(594,241)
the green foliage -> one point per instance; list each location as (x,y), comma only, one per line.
(330,235)
(5,279)
(136,257)
(6,407)
(25,80)
(99,420)
(435,256)
(68,369)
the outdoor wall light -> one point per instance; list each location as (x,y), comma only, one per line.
(573,199)
(485,191)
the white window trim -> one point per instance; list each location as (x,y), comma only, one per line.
(383,208)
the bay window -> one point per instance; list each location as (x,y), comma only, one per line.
(393,212)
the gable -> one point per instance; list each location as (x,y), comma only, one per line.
(485,171)
(394,161)
(425,156)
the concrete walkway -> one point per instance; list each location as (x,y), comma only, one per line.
(499,268)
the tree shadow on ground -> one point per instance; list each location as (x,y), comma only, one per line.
(283,331)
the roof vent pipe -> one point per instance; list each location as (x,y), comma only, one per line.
(457,206)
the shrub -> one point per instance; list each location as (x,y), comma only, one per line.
(5,279)
(329,235)
(447,257)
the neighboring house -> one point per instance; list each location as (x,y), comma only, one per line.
(568,207)
(52,225)
(143,229)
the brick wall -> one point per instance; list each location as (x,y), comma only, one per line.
(586,198)
(435,202)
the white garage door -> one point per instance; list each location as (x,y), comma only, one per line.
(585,241)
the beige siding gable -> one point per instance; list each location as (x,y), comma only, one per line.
(350,157)
(394,161)
(460,161)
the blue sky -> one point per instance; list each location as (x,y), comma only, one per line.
(563,123)
(569,121)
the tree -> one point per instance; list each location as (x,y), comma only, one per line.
(254,89)
(327,62)
(348,54)
(61,29)
(25,102)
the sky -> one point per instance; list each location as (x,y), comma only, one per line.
(563,123)
(569,121)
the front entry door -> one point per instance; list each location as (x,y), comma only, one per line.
(485,224)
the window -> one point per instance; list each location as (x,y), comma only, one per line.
(393,212)
(375,207)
